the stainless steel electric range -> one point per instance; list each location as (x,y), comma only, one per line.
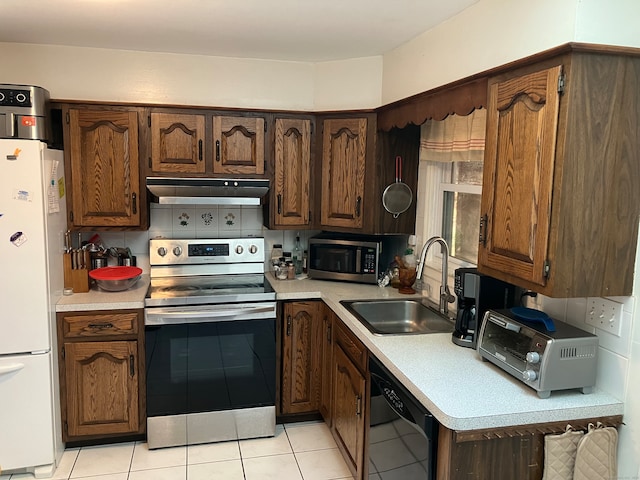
(210,342)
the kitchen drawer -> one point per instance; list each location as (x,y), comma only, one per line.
(99,325)
(353,347)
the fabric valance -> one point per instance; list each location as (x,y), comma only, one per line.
(454,139)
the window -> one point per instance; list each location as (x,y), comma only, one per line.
(449,194)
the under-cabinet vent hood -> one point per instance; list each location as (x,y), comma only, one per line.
(208,191)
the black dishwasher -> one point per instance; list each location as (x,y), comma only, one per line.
(402,433)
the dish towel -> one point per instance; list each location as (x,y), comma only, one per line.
(596,457)
(560,454)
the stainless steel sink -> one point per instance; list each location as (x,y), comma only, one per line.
(399,316)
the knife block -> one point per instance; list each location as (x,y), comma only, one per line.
(76,278)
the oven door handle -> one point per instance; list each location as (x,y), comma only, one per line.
(167,316)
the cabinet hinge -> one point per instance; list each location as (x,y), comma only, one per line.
(62,352)
(265,126)
(66,428)
(546,268)
(149,121)
(312,127)
(68,118)
(561,83)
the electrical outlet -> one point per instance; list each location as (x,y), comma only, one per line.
(604,314)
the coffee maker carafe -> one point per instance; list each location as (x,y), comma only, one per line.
(476,294)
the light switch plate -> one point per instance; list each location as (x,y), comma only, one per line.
(604,314)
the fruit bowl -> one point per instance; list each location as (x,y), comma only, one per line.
(116,279)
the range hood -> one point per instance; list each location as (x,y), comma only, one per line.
(207,191)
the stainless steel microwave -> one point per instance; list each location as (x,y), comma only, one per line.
(353,258)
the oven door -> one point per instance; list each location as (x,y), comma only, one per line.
(211,373)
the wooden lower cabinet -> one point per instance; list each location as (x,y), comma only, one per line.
(101,366)
(505,453)
(300,379)
(349,398)
(326,393)
(349,395)
(102,388)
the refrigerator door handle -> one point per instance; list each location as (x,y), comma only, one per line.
(6,369)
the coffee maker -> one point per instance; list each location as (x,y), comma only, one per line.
(476,294)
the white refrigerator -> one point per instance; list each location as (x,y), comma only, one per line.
(32,226)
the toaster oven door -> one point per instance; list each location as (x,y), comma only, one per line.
(515,348)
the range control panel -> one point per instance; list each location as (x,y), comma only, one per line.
(165,251)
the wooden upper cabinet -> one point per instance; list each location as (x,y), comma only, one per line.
(177,143)
(344,147)
(238,145)
(560,208)
(518,173)
(292,170)
(104,170)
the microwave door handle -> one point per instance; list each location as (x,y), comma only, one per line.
(358,260)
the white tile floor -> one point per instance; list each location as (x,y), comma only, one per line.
(298,451)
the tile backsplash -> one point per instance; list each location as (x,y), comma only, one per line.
(200,221)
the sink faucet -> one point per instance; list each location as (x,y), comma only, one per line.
(445,294)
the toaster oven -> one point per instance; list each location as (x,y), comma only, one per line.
(556,356)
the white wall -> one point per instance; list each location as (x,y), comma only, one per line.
(355,82)
(494,32)
(485,35)
(73,73)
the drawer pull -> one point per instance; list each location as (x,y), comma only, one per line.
(101,326)
(132,368)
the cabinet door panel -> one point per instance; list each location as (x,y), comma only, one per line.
(102,387)
(238,145)
(348,409)
(344,145)
(522,122)
(105,167)
(292,163)
(177,143)
(301,358)
(327,364)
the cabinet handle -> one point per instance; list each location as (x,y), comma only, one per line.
(279,203)
(200,150)
(134,202)
(288,325)
(358,405)
(101,326)
(132,368)
(484,221)
(329,334)
(358,205)
(217,150)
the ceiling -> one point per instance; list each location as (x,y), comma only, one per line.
(293,30)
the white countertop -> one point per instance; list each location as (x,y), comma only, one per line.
(452,382)
(96,299)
